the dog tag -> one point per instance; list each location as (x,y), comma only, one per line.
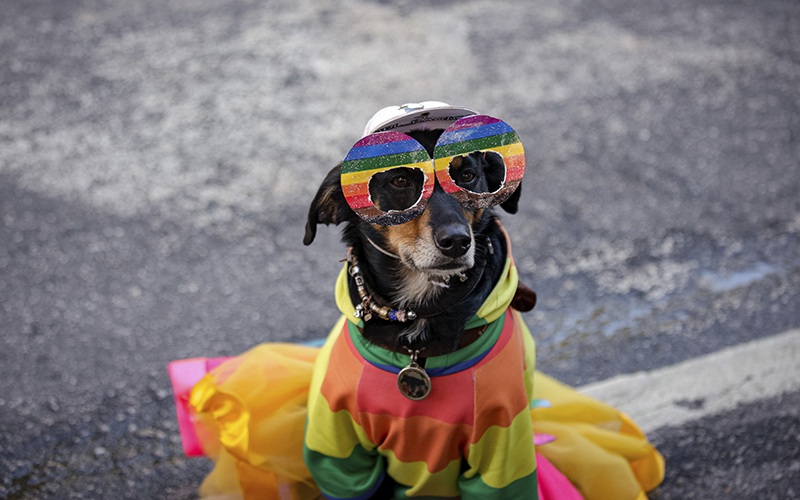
(413,381)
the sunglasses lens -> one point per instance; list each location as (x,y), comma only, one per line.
(397,189)
(480,161)
(387,178)
(479,172)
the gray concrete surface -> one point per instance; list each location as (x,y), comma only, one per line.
(705,385)
(157,159)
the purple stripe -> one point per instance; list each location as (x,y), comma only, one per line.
(473,121)
(477,132)
(381,138)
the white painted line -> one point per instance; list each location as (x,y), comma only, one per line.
(706,385)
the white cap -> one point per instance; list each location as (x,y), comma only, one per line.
(416,116)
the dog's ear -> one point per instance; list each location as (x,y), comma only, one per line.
(511,205)
(329,205)
(524,299)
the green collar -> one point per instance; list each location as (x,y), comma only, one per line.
(435,366)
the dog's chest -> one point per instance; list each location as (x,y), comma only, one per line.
(466,399)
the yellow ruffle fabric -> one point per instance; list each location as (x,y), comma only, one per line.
(252,411)
(597,447)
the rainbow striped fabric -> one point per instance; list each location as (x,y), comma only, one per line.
(472,437)
(377,153)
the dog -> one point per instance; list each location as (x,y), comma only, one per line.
(439,268)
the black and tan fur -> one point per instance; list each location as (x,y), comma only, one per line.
(444,240)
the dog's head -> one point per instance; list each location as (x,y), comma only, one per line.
(414,228)
(441,240)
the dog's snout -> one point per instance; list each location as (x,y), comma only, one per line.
(453,240)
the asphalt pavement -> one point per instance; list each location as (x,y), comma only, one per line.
(157,159)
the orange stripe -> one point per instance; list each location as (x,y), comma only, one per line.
(515,162)
(419,439)
(501,403)
(344,371)
(356,189)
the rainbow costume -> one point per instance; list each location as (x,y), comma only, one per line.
(286,421)
(360,426)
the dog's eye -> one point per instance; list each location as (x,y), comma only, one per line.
(400,181)
(467,177)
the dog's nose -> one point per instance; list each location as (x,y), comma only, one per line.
(453,240)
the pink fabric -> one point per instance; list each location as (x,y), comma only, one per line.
(552,484)
(184,374)
(540,438)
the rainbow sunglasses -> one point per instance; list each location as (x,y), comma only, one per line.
(375,158)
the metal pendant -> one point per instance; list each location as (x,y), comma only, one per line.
(413,381)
